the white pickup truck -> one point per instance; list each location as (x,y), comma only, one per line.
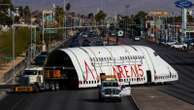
(112,90)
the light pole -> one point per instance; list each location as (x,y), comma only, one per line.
(13,41)
(13,48)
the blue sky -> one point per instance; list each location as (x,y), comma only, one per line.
(112,7)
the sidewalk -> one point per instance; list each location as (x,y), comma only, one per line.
(4,68)
(149,98)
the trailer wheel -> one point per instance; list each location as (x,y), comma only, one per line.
(57,86)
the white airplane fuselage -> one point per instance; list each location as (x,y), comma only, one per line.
(134,64)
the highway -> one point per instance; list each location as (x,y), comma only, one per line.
(86,99)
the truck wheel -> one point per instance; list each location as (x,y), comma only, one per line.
(36,88)
(57,86)
(119,99)
(46,86)
(52,86)
(184,48)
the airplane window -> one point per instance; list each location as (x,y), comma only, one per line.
(121,80)
(125,57)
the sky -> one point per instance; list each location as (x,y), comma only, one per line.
(112,7)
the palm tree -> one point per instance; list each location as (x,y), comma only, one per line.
(68,6)
(27,14)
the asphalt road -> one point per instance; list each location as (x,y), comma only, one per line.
(85,99)
(183,62)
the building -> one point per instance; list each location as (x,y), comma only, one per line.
(156,25)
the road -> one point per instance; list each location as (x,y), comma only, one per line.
(86,99)
(183,62)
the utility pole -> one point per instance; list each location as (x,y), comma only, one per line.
(65,18)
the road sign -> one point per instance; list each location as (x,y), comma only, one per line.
(184,4)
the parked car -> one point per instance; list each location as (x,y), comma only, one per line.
(182,46)
(169,43)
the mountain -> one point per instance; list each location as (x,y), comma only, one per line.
(111,7)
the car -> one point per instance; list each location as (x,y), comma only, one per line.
(169,43)
(136,38)
(109,90)
(182,46)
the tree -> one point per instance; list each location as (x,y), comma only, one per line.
(68,6)
(21,11)
(140,16)
(5,4)
(59,13)
(91,15)
(27,14)
(5,19)
(100,16)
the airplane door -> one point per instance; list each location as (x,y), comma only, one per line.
(126,91)
(149,76)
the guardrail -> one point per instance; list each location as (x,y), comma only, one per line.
(9,76)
